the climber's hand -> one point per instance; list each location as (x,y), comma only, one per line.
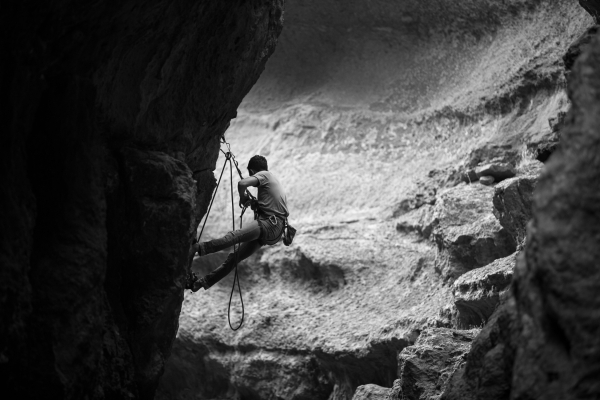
(244,201)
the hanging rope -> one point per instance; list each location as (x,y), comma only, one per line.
(229,158)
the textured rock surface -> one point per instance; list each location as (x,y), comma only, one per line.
(487,370)
(477,292)
(498,170)
(513,199)
(544,342)
(558,351)
(466,232)
(462,225)
(359,102)
(341,313)
(148,215)
(421,221)
(487,180)
(425,367)
(372,392)
(110,110)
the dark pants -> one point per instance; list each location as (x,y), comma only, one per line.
(247,236)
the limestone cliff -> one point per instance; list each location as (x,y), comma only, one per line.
(112,113)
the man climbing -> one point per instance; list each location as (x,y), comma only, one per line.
(266,229)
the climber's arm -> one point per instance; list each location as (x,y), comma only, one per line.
(245,184)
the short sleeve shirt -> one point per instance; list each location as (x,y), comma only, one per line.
(271,197)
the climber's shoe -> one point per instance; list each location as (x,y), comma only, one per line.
(190,280)
(199,283)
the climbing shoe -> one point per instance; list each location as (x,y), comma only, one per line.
(199,283)
(190,280)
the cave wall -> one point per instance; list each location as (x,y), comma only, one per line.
(112,114)
(543,342)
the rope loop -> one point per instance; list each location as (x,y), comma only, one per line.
(229,158)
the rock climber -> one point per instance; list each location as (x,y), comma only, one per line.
(271,212)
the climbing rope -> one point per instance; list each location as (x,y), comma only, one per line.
(230,158)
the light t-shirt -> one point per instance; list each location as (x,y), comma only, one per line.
(271,197)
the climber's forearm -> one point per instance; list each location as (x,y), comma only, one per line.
(244,184)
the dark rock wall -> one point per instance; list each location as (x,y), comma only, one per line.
(558,356)
(112,114)
(544,341)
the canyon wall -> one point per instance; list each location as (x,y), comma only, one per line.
(543,341)
(380,118)
(112,115)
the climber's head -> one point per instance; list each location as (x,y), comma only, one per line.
(257,164)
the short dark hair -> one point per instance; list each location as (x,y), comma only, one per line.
(258,163)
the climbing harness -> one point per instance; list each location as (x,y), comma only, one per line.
(229,158)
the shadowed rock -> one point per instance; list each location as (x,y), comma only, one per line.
(465,230)
(477,292)
(543,343)
(486,372)
(592,7)
(513,200)
(487,180)
(497,170)
(425,367)
(420,221)
(483,157)
(372,392)
(111,110)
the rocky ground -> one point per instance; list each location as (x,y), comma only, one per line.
(410,149)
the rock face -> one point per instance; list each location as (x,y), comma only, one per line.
(358,104)
(111,123)
(372,392)
(425,367)
(467,233)
(462,225)
(544,342)
(487,370)
(512,205)
(499,171)
(148,214)
(477,292)
(559,348)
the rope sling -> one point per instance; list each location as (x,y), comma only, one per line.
(230,158)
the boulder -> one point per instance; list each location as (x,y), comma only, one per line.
(423,194)
(487,180)
(512,201)
(542,148)
(486,371)
(425,367)
(486,154)
(498,170)
(372,392)
(477,292)
(465,230)
(505,153)
(420,221)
